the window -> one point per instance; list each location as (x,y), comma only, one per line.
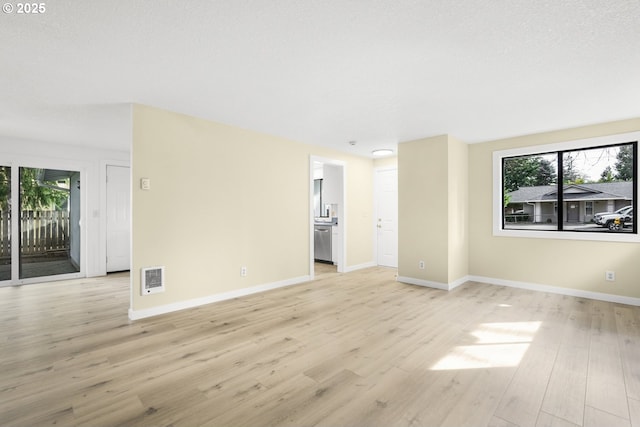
(581,189)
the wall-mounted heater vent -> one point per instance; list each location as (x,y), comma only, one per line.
(152,280)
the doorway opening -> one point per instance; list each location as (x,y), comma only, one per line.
(327,235)
(323,270)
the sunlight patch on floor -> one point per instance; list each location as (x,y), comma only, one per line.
(497,345)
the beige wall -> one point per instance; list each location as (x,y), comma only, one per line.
(386,162)
(223,197)
(432,210)
(458,209)
(422,209)
(579,265)
(359,210)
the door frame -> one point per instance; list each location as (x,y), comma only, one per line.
(17,162)
(342,214)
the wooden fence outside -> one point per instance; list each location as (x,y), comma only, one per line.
(42,232)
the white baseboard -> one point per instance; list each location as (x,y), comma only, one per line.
(557,290)
(523,285)
(458,282)
(351,268)
(431,284)
(168,308)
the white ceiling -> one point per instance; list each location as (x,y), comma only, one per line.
(321,71)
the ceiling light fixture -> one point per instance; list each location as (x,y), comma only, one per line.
(382,152)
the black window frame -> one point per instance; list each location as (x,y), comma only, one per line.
(559,203)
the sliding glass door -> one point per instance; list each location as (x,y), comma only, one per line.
(41,214)
(5,223)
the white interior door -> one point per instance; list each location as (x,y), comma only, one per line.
(386,184)
(118,218)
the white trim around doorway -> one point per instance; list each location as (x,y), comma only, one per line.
(342,214)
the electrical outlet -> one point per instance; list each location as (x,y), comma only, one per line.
(145,183)
(421,265)
(610,276)
(243,271)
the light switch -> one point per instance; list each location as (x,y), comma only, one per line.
(145,183)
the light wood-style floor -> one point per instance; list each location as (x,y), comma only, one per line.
(322,270)
(356,349)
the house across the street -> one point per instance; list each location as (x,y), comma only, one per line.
(581,202)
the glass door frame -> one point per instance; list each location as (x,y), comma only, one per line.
(22,162)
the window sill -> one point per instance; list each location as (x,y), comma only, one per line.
(569,235)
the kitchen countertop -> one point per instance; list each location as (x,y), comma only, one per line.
(329,223)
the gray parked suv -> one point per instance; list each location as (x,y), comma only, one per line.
(608,219)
